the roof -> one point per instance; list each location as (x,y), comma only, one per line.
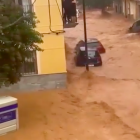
(92,40)
(82,48)
(89,40)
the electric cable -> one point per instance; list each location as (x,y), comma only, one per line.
(59,10)
(56,31)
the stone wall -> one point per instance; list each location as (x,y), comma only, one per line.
(38,82)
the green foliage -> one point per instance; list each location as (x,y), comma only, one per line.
(97,3)
(16,41)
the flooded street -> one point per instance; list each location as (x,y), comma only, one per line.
(122,57)
(102,104)
(117,82)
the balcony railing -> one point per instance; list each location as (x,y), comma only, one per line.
(69,15)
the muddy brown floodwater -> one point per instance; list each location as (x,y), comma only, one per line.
(102,104)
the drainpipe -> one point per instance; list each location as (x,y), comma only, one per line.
(129,7)
(137,15)
(125,8)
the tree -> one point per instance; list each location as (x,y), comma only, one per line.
(101,4)
(18,38)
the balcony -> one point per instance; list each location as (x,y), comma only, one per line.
(70,25)
(69,14)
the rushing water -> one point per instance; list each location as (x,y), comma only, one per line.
(102,104)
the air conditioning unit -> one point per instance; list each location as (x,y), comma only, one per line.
(8,114)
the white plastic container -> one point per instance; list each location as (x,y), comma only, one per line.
(8,114)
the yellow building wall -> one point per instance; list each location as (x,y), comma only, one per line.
(52,59)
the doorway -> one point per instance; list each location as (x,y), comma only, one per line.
(138,11)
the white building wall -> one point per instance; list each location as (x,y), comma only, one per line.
(123,7)
(130,8)
(133,9)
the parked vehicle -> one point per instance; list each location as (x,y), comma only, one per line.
(92,42)
(94,58)
(135,28)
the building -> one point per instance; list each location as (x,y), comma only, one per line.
(117,4)
(47,68)
(129,8)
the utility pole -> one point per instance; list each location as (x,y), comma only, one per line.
(85,35)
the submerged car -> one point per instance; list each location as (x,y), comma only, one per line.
(92,42)
(135,28)
(94,58)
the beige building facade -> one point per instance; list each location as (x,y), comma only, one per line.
(129,8)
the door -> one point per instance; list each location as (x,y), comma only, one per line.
(139,11)
(125,8)
(116,9)
(128,6)
(120,8)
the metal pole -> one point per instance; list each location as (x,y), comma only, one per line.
(85,35)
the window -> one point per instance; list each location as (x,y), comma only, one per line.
(30,64)
(93,44)
(82,54)
(26,4)
(91,54)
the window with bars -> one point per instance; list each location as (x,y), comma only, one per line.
(26,5)
(30,64)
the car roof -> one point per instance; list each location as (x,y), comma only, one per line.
(136,21)
(82,48)
(89,40)
(92,40)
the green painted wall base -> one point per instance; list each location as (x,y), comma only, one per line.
(38,82)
